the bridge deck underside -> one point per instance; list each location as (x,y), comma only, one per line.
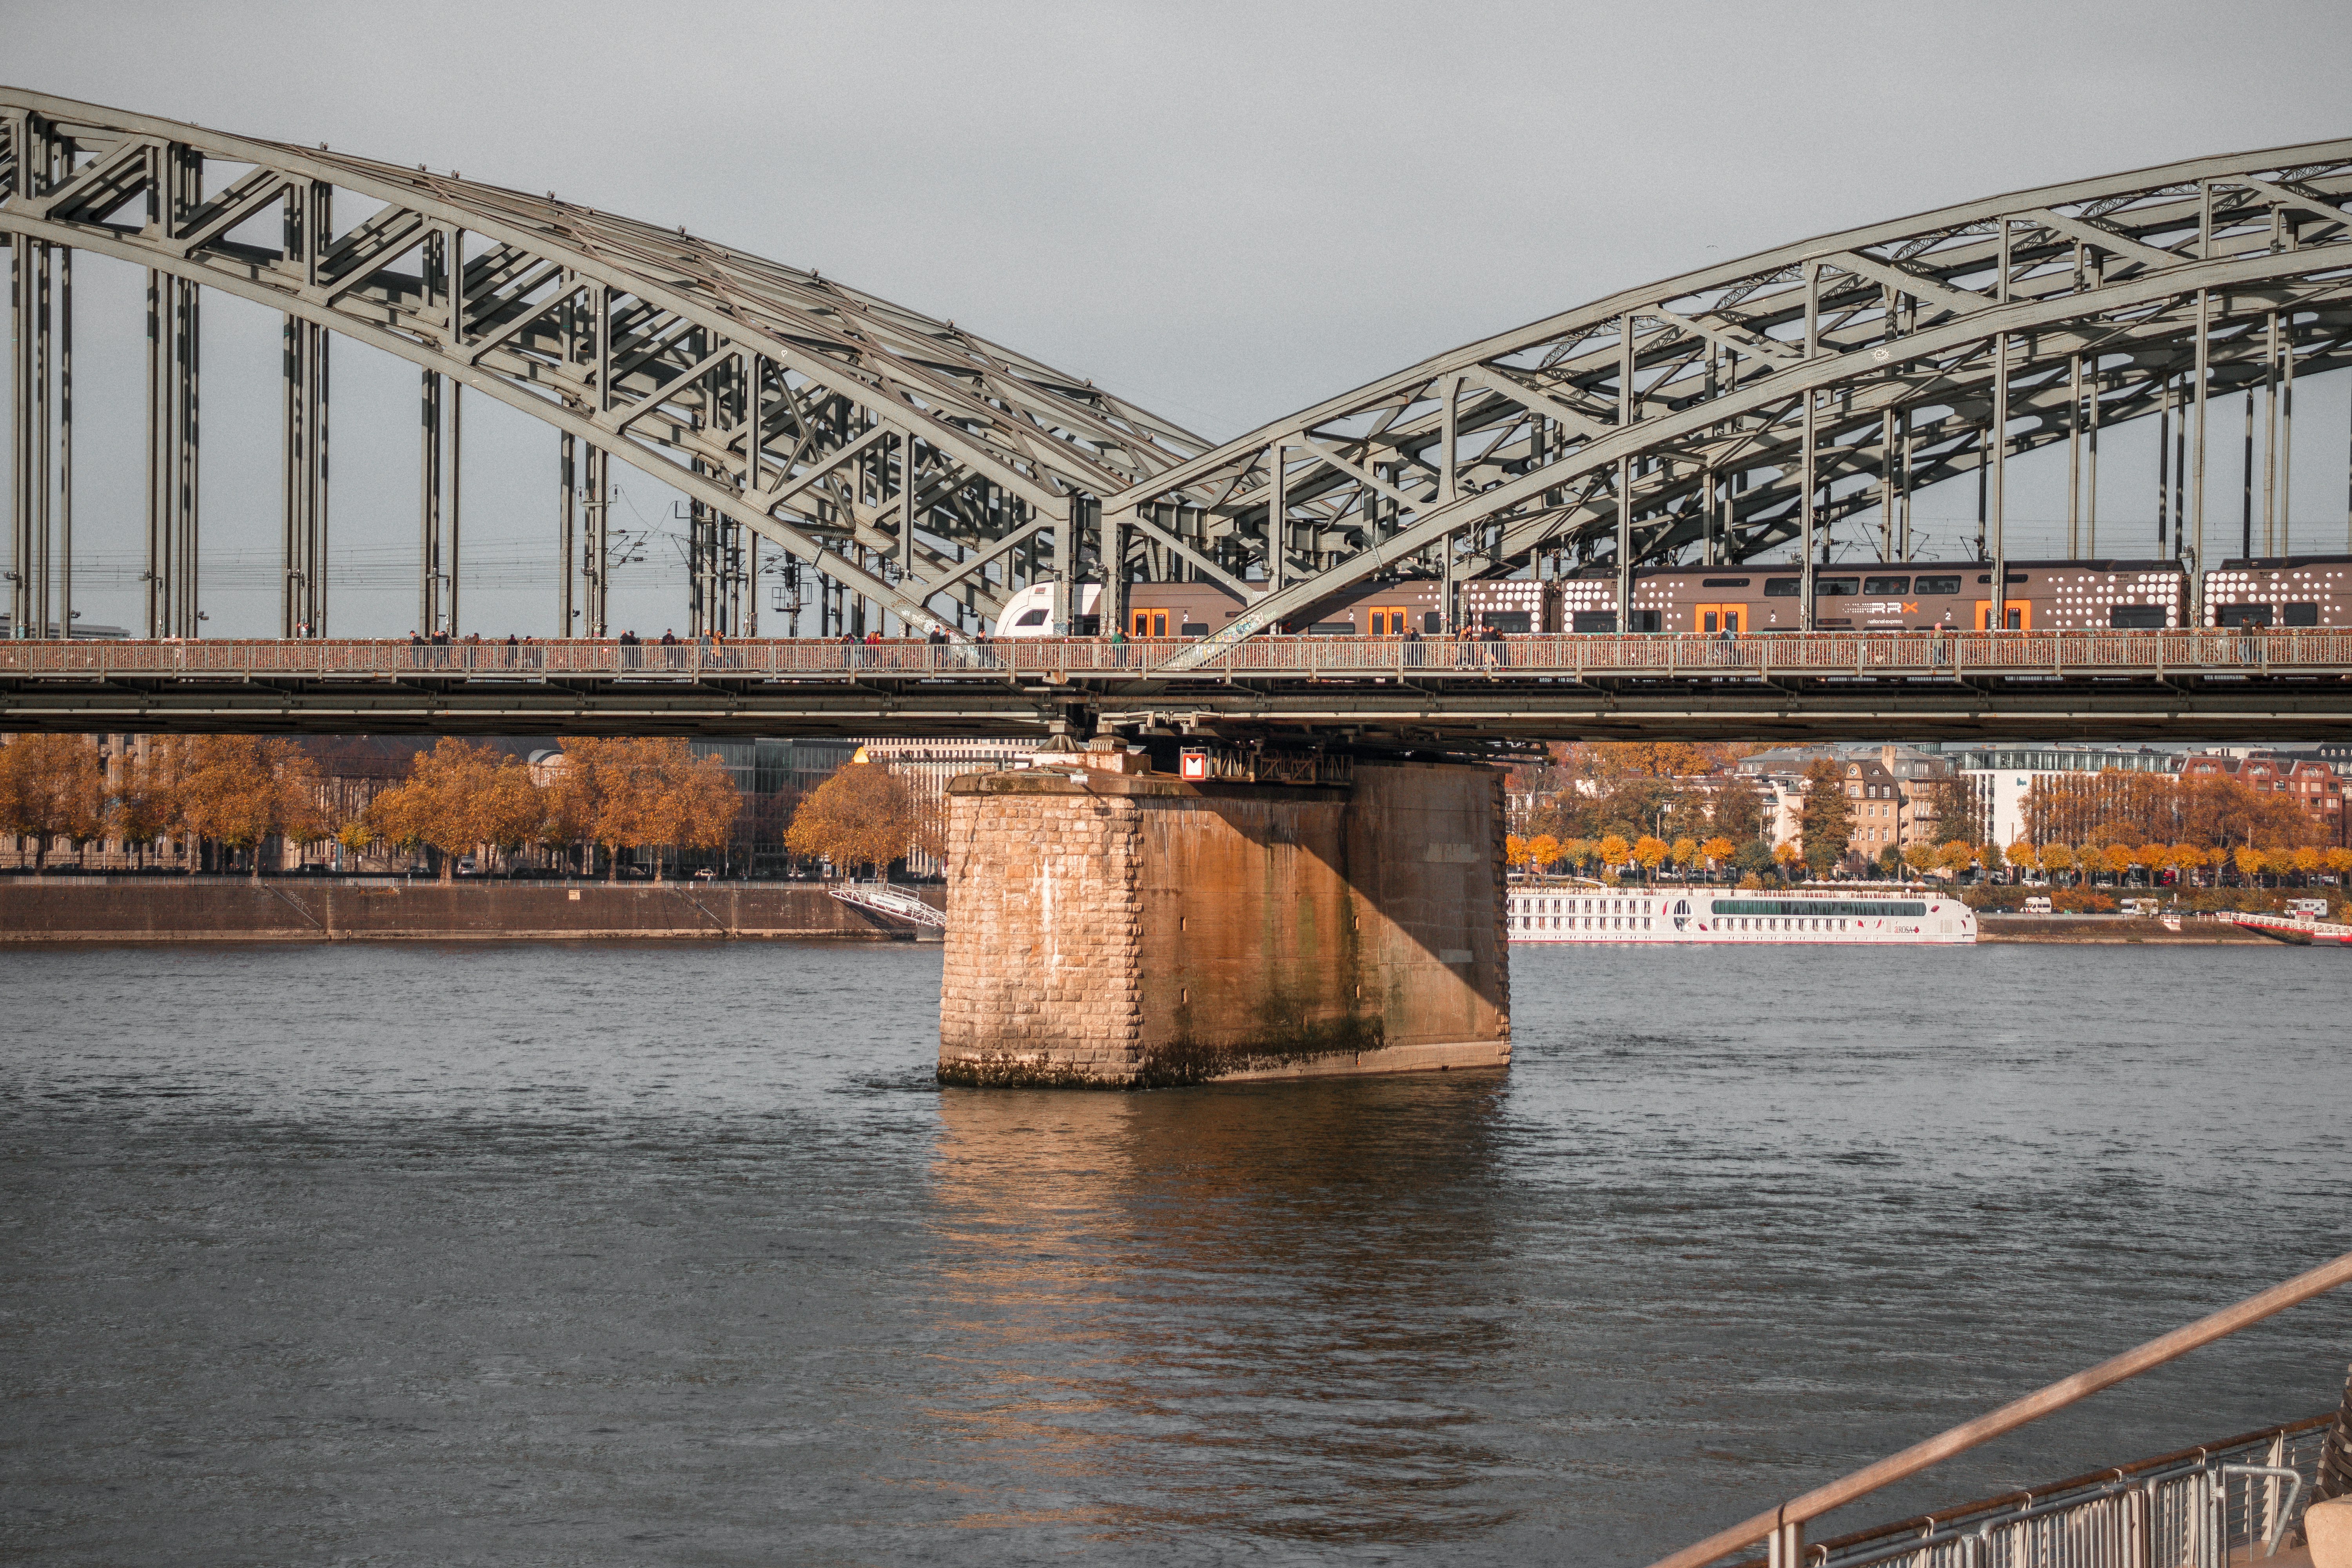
(2208,686)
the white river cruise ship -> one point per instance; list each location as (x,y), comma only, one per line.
(1729,914)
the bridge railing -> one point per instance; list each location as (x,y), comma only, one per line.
(1826,655)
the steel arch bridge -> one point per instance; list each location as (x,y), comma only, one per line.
(908,459)
(1756,403)
(930,473)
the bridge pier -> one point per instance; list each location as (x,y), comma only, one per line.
(1110,929)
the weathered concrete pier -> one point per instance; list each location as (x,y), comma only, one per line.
(1114,927)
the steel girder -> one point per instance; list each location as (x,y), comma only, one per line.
(1731,410)
(810,411)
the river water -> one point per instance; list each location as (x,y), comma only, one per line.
(677,1255)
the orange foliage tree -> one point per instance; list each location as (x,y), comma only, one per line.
(862,816)
(240,790)
(51,786)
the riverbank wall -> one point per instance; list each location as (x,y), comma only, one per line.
(289,910)
(2115,930)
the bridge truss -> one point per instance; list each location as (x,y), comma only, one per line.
(929,473)
(921,467)
(1724,413)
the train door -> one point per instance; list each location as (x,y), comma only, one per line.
(1387,621)
(2019,616)
(1148,624)
(1713,618)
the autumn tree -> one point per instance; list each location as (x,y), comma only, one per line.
(241,790)
(144,803)
(458,798)
(1515,849)
(684,802)
(1829,816)
(1718,851)
(626,794)
(51,786)
(1613,849)
(862,816)
(1648,853)
(1736,812)
(1684,852)
(1543,852)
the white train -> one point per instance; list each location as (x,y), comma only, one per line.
(1590,914)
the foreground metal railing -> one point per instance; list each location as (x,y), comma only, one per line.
(2201,1508)
(2189,1508)
(1821,655)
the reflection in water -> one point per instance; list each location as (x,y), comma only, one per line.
(678,1255)
(1154,1294)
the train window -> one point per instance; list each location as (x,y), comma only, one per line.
(1332,629)
(1432,623)
(1784,587)
(1196,628)
(1087,627)
(1725,581)
(1649,620)
(2006,577)
(1836,587)
(1936,584)
(1886,584)
(1517,623)
(2300,614)
(2243,615)
(1033,619)
(1594,621)
(2135,617)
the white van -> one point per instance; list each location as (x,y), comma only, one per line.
(2037,906)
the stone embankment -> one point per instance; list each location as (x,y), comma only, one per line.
(2114,929)
(288,909)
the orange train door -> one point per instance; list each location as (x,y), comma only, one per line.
(1387,621)
(2018,615)
(1713,618)
(1150,623)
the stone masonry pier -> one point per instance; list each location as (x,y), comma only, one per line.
(1124,930)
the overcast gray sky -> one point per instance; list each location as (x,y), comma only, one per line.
(1227,212)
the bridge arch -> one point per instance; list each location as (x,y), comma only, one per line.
(907,458)
(1754,404)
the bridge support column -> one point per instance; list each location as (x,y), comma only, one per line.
(1122,931)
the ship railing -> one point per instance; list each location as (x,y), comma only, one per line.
(2206,1508)
(1863,656)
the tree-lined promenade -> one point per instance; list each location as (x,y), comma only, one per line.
(239,792)
(1618,807)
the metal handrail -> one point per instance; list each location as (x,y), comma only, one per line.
(1829,656)
(1783,1527)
